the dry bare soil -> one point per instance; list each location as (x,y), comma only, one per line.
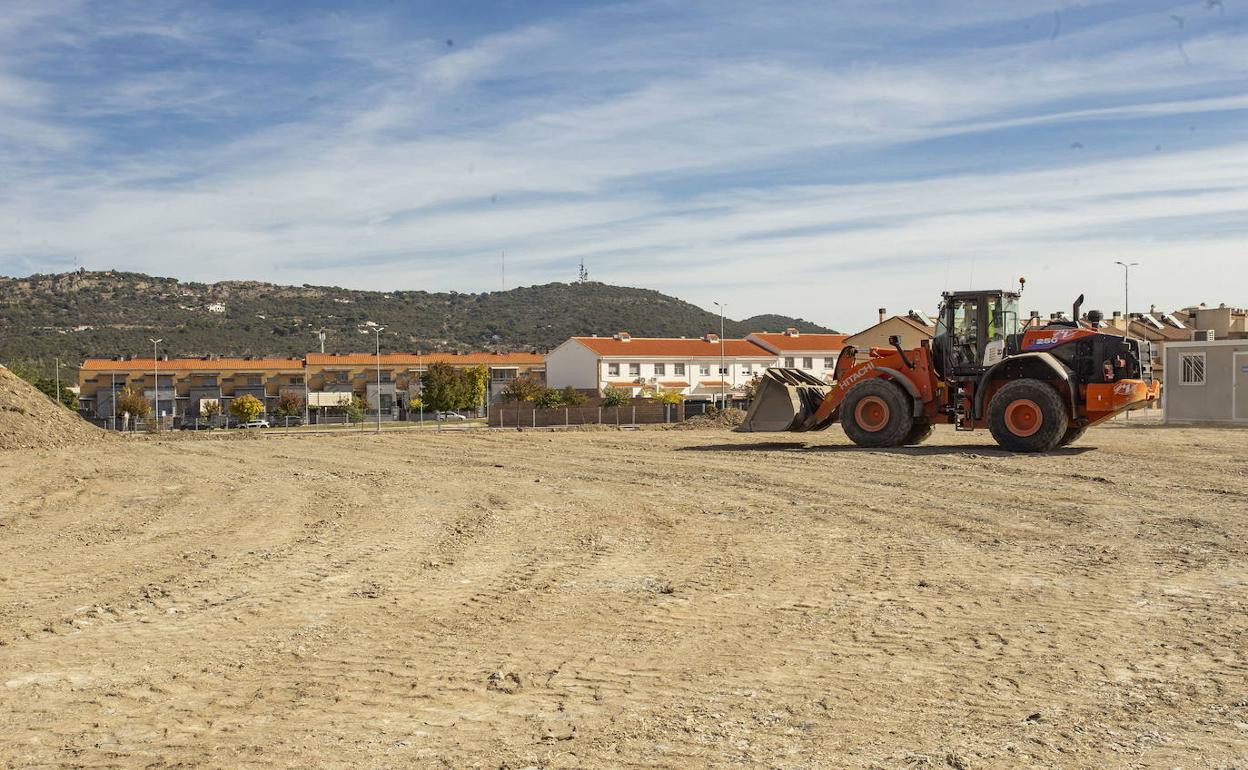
(650,599)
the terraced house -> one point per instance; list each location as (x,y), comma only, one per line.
(389,382)
(180,387)
(690,366)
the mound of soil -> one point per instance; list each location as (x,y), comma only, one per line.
(30,420)
(725,419)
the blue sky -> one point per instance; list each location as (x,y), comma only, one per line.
(815,158)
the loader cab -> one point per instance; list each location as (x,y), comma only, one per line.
(973,331)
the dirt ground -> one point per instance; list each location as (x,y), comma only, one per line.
(676,599)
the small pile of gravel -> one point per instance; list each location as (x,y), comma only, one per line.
(31,420)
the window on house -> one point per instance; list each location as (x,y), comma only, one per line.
(660,370)
(1193,369)
(747,369)
(678,370)
(385,376)
(296,380)
(634,370)
(503,375)
(723,371)
(613,370)
(704,370)
(788,362)
(829,363)
(808,363)
(254,381)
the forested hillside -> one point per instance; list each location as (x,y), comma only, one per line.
(79,314)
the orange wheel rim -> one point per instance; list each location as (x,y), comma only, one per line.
(871,414)
(1023,417)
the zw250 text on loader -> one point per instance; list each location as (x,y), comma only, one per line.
(1034,389)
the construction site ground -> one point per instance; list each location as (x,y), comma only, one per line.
(679,599)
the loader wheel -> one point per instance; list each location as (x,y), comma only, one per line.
(1073,434)
(1027,416)
(877,413)
(921,432)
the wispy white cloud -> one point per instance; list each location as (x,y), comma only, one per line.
(637,145)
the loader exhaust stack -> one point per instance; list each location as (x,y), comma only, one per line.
(786,401)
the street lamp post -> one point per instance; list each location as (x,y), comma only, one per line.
(156,380)
(112,401)
(377,331)
(58,380)
(1126,294)
(723,371)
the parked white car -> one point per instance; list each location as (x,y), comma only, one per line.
(449,416)
(255,424)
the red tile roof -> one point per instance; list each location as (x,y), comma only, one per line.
(830,343)
(195,364)
(671,347)
(624,384)
(424,359)
(674,383)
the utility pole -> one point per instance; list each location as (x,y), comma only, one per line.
(321,335)
(723,371)
(113,400)
(156,381)
(58,380)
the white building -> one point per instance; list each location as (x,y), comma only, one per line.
(816,354)
(691,367)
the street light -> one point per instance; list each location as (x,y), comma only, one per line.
(723,372)
(156,380)
(1126,294)
(377,330)
(58,380)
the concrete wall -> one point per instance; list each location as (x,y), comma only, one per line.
(1223,397)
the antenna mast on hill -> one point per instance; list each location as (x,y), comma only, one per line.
(584,275)
(321,335)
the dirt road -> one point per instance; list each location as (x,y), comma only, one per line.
(650,599)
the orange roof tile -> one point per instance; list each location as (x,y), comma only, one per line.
(716,383)
(424,359)
(672,347)
(194,364)
(830,343)
(624,384)
(674,383)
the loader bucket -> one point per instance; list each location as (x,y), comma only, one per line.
(786,400)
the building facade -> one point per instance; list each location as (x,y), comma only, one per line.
(815,354)
(181,387)
(1206,382)
(911,332)
(700,369)
(357,374)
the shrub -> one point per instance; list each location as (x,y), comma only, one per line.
(668,397)
(549,399)
(289,405)
(612,396)
(352,407)
(573,397)
(132,401)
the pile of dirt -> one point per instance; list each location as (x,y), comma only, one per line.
(30,420)
(726,419)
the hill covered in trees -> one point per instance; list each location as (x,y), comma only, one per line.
(80,314)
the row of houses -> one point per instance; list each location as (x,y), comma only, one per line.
(704,368)
(180,387)
(699,369)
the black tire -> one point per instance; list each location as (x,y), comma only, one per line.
(1028,416)
(1073,434)
(920,432)
(885,400)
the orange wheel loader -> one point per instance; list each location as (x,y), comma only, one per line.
(1035,389)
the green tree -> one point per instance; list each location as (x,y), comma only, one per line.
(210,408)
(352,407)
(573,397)
(612,396)
(444,387)
(478,383)
(133,402)
(246,408)
(31,372)
(549,399)
(523,388)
